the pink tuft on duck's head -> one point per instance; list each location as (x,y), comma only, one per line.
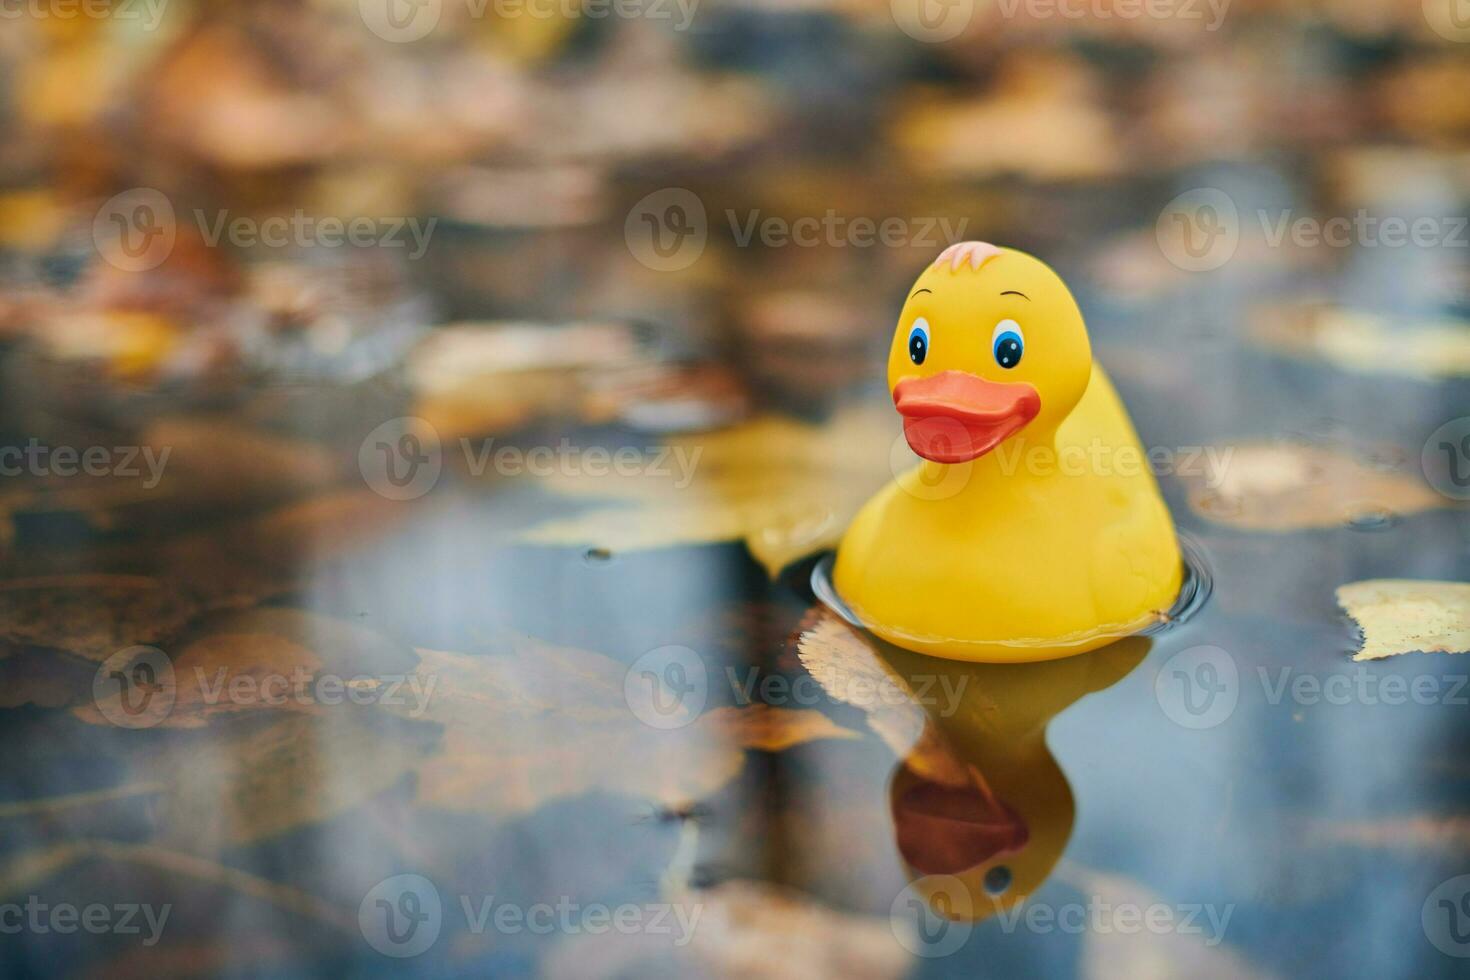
(975,253)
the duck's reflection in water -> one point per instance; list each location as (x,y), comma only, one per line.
(981,809)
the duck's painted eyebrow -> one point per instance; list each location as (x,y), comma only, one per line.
(918,291)
(1012,292)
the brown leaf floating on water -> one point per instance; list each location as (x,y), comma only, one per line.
(260,782)
(91,616)
(785,487)
(546,722)
(1282,486)
(1408,615)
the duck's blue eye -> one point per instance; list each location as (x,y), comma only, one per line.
(1007,343)
(919,341)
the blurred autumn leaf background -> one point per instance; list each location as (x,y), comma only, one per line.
(465,354)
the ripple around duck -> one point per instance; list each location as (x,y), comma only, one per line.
(1194,592)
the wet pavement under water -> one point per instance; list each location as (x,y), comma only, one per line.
(1191,806)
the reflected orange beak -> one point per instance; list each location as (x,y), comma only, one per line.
(956,416)
(948,829)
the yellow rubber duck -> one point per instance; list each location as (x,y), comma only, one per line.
(1033,529)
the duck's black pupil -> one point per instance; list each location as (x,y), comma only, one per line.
(997,879)
(1008,353)
(917,348)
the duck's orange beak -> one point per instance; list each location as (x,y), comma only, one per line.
(956,416)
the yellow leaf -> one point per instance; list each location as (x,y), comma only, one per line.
(786,488)
(1366,343)
(1405,615)
(1279,486)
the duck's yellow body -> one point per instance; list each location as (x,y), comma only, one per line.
(1033,528)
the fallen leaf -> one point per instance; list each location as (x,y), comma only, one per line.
(1407,615)
(545,722)
(1282,486)
(842,660)
(91,616)
(1414,832)
(786,488)
(1367,343)
(298,771)
(1047,105)
(473,378)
